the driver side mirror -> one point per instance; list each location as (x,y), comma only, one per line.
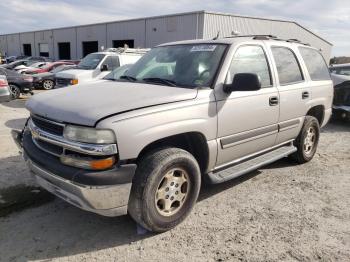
(243,82)
(104,67)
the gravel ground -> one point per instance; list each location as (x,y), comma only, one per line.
(283,212)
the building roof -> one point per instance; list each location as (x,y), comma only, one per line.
(178,14)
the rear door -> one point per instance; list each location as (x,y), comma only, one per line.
(293,89)
(247,120)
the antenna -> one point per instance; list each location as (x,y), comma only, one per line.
(217,35)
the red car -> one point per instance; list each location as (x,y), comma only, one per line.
(48,68)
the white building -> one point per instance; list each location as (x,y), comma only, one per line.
(75,42)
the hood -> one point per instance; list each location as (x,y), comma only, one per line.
(80,74)
(86,104)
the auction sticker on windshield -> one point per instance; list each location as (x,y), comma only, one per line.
(201,48)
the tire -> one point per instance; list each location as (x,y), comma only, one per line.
(169,175)
(307,140)
(48,84)
(15,91)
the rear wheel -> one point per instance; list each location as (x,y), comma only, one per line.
(165,189)
(307,140)
(48,84)
(15,91)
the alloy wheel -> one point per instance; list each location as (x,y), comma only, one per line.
(172,192)
(48,84)
(15,92)
(309,141)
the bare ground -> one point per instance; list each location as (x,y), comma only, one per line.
(283,212)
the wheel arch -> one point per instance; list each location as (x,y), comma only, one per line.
(193,142)
(317,111)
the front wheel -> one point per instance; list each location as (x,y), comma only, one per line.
(165,189)
(15,91)
(307,140)
(48,84)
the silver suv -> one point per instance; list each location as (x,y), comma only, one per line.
(184,113)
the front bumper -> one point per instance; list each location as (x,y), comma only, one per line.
(104,192)
(108,200)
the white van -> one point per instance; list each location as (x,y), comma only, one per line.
(95,66)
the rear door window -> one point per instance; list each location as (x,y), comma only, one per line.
(315,64)
(288,68)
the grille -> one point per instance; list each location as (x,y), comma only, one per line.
(48,126)
(50,148)
(63,81)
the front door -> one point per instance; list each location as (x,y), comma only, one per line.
(247,120)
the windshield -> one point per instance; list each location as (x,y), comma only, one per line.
(190,65)
(90,61)
(118,72)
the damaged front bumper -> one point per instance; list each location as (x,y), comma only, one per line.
(103,192)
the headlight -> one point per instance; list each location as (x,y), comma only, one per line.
(89,135)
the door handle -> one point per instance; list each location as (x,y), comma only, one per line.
(273,101)
(305,95)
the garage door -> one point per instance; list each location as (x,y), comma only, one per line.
(44,50)
(90,47)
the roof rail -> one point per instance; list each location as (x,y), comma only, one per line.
(268,37)
(294,40)
(257,37)
(121,50)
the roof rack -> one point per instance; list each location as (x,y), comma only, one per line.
(121,50)
(268,37)
(256,37)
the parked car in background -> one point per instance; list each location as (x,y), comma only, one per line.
(22,69)
(70,61)
(47,68)
(18,83)
(341,79)
(10,59)
(185,112)
(5,94)
(40,59)
(97,65)
(47,80)
(16,63)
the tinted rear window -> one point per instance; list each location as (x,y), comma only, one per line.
(315,64)
(288,68)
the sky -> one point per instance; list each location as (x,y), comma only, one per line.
(328,19)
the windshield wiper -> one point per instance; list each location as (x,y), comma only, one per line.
(129,78)
(160,80)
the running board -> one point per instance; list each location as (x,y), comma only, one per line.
(247,166)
